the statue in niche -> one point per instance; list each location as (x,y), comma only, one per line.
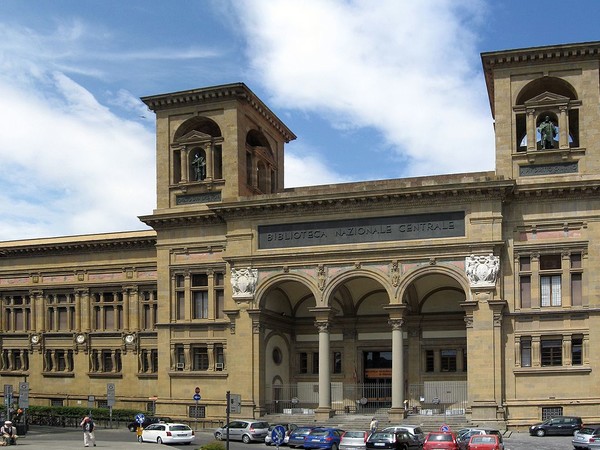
(547,132)
(243,282)
(199,165)
(482,270)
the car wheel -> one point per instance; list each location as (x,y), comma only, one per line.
(246,439)
(218,436)
(159,440)
(334,447)
(540,433)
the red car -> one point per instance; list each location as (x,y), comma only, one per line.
(440,441)
(485,442)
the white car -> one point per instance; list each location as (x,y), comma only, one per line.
(167,433)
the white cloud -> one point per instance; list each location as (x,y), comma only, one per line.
(303,167)
(69,165)
(408,69)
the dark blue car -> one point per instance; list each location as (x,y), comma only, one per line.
(296,437)
(323,438)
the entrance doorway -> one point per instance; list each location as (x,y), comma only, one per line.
(378,378)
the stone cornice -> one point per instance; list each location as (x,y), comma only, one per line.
(558,189)
(78,244)
(233,91)
(180,219)
(344,201)
(535,55)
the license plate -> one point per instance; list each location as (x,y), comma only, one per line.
(182,434)
(379,444)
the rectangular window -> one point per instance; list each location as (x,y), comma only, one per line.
(219,356)
(525,264)
(525,352)
(550,412)
(303,362)
(551,351)
(429,361)
(200,358)
(577,351)
(576,261)
(56,402)
(550,262)
(197,412)
(107,362)
(200,305)
(180,305)
(337,362)
(448,360)
(465,360)
(550,287)
(315,362)
(576,289)
(526,291)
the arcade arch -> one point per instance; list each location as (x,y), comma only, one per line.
(354,318)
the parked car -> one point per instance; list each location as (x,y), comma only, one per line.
(243,430)
(296,437)
(565,425)
(167,433)
(394,440)
(440,440)
(323,438)
(413,429)
(582,437)
(354,440)
(289,427)
(148,420)
(485,442)
(594,442)
(464,437)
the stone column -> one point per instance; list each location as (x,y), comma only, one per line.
(324,369)
(126,293)
(531,131)
(208,150)
(185,166)
(563,128)
(397,364)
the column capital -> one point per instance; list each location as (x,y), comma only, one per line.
(396,324)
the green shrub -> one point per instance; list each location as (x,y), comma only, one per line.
(216,445)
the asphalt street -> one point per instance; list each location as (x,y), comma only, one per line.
(48,438)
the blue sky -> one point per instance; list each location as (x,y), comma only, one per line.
(373,90)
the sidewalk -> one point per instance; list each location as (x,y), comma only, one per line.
(48,438)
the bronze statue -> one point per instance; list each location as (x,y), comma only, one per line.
(547,132)
(199,165)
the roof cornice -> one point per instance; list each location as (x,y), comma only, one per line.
(534,55)
(225,92)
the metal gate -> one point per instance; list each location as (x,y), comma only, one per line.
(438,397)
(303,398)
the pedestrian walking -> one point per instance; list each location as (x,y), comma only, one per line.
(87,424)
(373,425)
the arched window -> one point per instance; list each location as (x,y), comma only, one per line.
(552,103)
(260,160)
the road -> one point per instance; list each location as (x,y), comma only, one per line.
(48,438)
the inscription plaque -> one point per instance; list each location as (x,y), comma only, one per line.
(206,197)
(353,231)
(548,169)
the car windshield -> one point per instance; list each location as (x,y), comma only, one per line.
(483,440)
(319,432)
(588,430)
(355,434)
(440,437)
(180,428)
(260,425)
(381,436)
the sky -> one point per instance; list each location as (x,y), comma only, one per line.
(373,89)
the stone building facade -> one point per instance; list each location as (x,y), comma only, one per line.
(469,293)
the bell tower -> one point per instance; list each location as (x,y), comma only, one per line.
(544,101)
(216,144)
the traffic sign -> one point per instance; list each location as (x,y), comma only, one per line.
(24,395)
(197,397)
(278,435)
(110,394)
(444,428)
(139,418)
(197,390)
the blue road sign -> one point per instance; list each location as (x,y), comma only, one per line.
(278,435)
(197,397)
(444,428)
(139,418)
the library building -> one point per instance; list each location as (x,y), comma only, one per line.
(470,294)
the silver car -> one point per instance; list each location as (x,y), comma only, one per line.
(243,430)
(354,440)
(583,436)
